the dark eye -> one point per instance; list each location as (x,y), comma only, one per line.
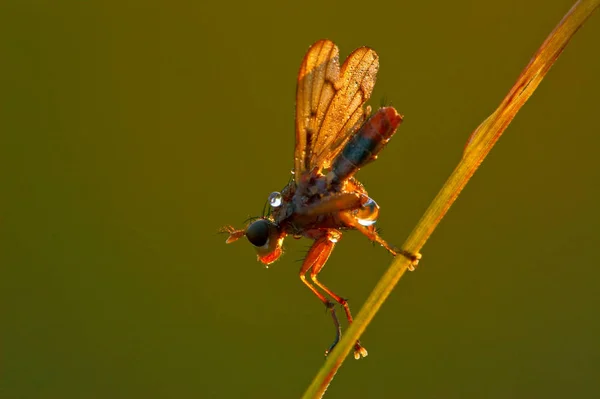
(258,233)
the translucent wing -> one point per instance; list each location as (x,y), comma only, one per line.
(329,102)
(345,113)
(319,73)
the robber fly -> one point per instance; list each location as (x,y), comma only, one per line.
(335,137)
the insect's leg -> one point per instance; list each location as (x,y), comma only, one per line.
(318,254)
(234,234)
(373,236)
(334,203)
(334,235)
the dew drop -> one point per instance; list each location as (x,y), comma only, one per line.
(275,199)
(367,214)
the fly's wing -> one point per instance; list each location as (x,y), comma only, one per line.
(317,79)
(329,102)
(345,114)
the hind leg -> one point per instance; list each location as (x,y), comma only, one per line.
(334,203)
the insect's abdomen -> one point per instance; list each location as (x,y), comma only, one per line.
(366,143)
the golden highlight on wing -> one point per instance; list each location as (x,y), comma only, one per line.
(318,75)
(329,102)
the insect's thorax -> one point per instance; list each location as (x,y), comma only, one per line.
(310,190)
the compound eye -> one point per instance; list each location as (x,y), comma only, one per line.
(258,233)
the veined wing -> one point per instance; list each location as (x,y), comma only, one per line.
(345,113)
(329,102)
(318,75)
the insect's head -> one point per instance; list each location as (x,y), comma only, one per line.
(264,235)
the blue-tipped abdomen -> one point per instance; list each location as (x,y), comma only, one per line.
(366,143)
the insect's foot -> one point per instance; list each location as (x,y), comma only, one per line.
(414,258)
(328,351)
(359,351)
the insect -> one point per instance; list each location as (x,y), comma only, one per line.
(335,137)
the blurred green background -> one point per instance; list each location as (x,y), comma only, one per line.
(130,131)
